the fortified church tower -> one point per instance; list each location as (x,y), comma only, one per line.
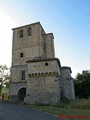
(36,75)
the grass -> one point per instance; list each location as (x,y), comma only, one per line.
(72,108)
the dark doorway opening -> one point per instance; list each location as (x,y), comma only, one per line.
(21,94)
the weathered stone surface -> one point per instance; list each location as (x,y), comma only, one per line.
(68,83)
(35,67)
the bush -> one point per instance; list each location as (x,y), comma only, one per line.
(80,104)
(65,100)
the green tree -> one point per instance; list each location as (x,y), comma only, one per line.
(4,76)
(82,84)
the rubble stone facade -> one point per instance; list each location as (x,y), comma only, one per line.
(36,75)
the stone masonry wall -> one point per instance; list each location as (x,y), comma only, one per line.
(28,45)
(49,45)
(14,88)
(68,84)
(43,90)
(43,85)
(16,73)
(44,78)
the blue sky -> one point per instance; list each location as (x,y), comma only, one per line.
(68,20)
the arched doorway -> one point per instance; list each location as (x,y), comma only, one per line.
(21,94)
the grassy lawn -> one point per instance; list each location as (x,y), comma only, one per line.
(73,108)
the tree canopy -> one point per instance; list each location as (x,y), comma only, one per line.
(82,84)
(4,76)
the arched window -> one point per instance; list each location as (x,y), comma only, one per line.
(29,31)
(21,33)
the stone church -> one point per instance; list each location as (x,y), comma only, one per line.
(36,75)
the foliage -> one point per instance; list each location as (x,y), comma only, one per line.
(4,76)
(65,100)
(82,84)
(83,104)
(73,108)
